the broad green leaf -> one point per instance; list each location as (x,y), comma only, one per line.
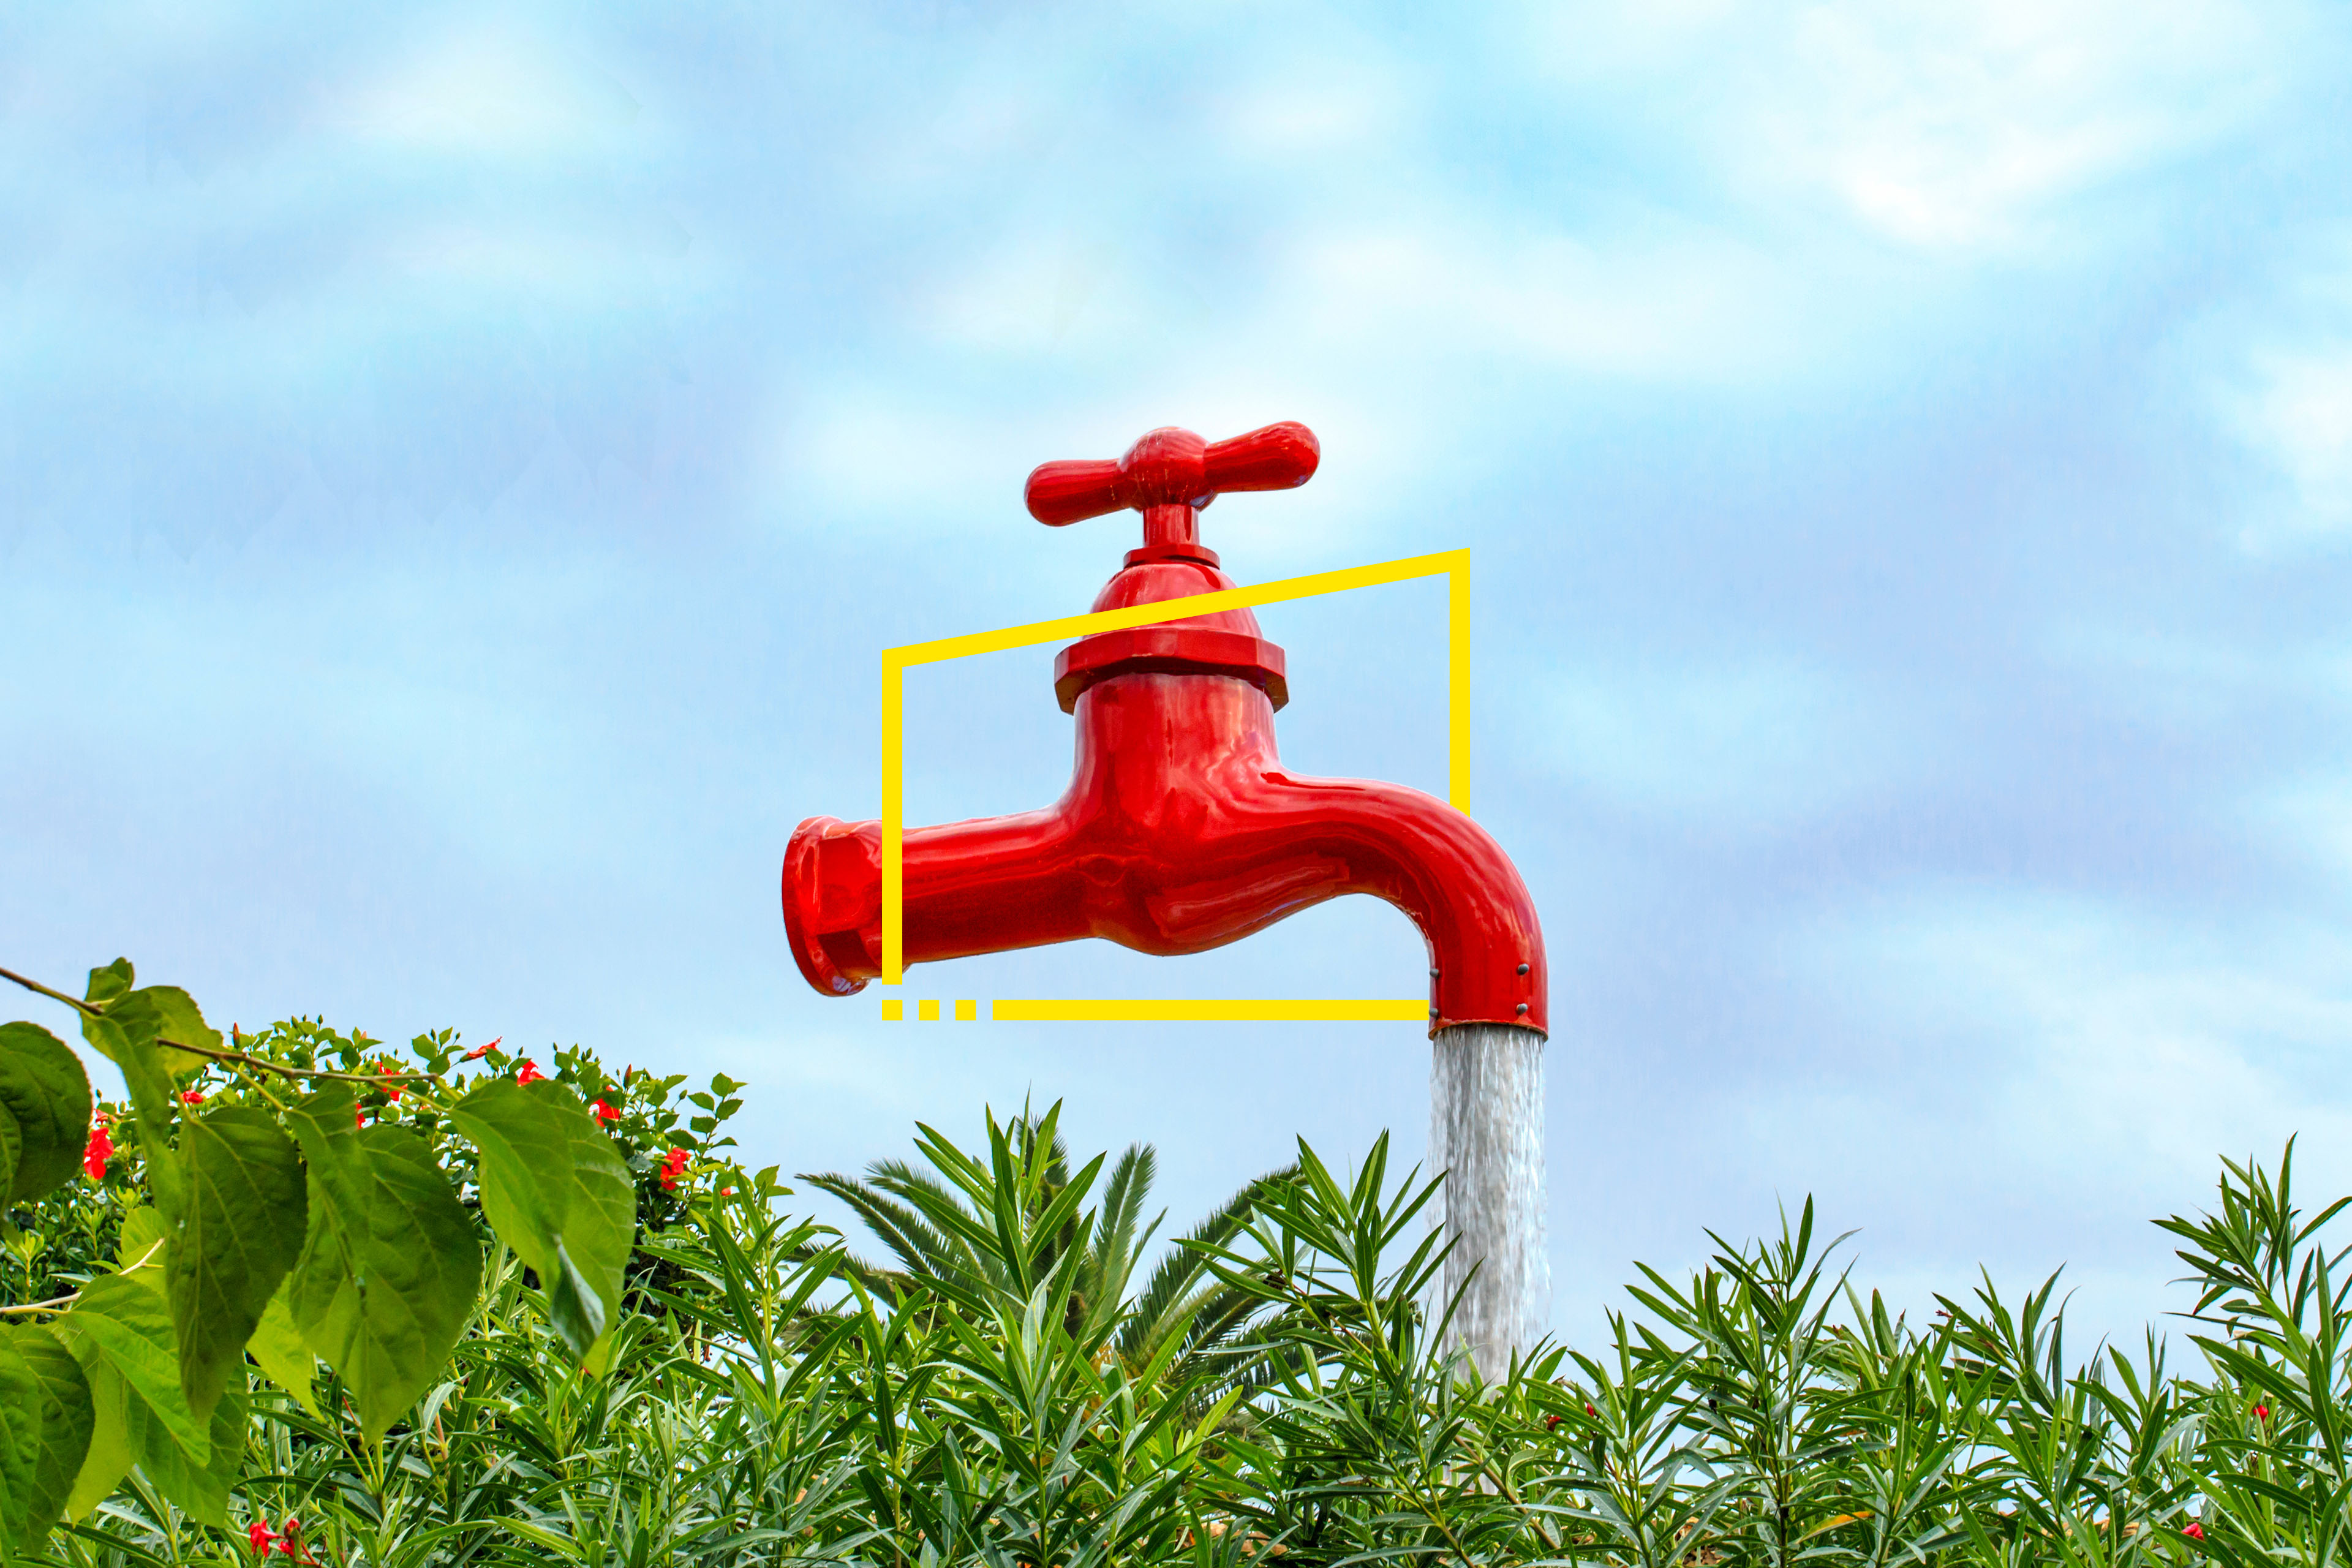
(325,1124)
(66,1420)
(150,1098)
(11,1144)
(46,1092)
(392,1263)
(107,984)
(199,1490)
(243,1232)
(524,1166)
(153,1014)
(555,1190)
(20,1438)
(125,1319)
(109,1458)
(139,1249)
(600,1223)
(284,1356)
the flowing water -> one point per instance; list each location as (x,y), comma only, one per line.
(1487,1129)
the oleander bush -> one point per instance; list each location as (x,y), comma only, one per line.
(683,1369)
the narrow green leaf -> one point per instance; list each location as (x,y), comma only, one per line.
(20,1439)
(66,1420)
(243,1232)
(47,1094)
(128,1323)
(392,1263)
(284,1356)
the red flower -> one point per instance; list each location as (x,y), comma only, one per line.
(359,1117)
(2194,1531)
(192,1097)
(100,1150)
(478,1052)
(672,1167)
(263,1537)
(391,1089)
(529,1072)
(1551,1422)
(2262,1412)
(604,1112)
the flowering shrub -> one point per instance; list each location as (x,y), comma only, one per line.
(283,1209)
(1020,1385)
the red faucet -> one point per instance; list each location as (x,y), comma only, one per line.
(1181,830)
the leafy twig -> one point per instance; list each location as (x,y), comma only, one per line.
(216,1053)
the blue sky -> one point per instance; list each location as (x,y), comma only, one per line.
(458,464)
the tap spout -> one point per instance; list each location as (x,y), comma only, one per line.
(1180,831)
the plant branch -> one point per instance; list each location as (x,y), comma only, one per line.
(216,1053)
(74,1002)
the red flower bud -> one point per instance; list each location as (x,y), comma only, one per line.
(2194,1531)
(2262,1412)
(192,1097)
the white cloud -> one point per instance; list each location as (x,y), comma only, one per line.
(2284,389)
(1329,109)
(484,90)
(1689,306)
(1755,745)
(2065,1040)
(1953,128)
(2298,417)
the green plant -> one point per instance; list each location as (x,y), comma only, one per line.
(1020,1392)
(281,1219)
(925,1219)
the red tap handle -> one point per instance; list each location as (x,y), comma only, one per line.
(1174,468)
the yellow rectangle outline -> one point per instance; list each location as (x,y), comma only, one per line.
(1455,565)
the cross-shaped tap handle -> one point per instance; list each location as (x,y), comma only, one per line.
(1169,474)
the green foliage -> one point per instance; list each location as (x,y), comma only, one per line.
(515,1327)
(44,1111)
(280,1223)
(246,1203)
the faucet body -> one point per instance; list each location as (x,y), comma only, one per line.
(1180,829)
